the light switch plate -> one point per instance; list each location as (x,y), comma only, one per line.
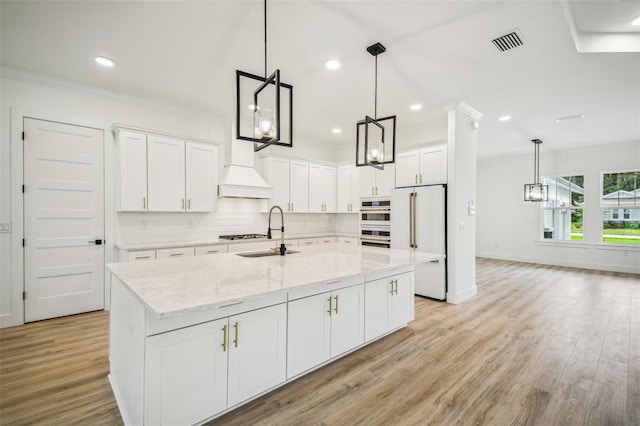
(5,227)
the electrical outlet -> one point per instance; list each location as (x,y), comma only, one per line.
(5,227)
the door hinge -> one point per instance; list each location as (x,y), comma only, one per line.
(22,135)
(23,189)
(24,295)
(23,242)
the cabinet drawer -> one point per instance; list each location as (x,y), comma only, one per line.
(135,256)
(213,249)
(322,287)
(348,240)
(254,246)
(308,242)
(174,252)
(327,240)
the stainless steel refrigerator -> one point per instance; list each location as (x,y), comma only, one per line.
(418,222)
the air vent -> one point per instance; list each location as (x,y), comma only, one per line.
(508,41)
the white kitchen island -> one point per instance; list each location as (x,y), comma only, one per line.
(193,338)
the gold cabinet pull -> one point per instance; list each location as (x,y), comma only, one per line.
(143,257)
(224,338)
(330,307)
(291,206)
(183,204)
(235,339)
(376,190)
(189,204)
(212,251)
(144,202)
(347,241)
(391,291)
(373,191)
(395,282)
(420,177)
(176,254)
(336,308)
(416,178)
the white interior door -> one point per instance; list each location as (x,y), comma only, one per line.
(63,219)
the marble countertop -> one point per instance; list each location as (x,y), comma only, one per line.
(207,242)
(171,287)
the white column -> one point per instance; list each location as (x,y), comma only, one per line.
(461,200)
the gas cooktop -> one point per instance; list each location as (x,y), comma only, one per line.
(242,237)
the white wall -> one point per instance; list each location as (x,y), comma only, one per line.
(509,228)
(32,95)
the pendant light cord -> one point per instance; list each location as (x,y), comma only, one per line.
(375,102)
(265,39)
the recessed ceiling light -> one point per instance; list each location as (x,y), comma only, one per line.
(336,131)
(636,22)
(569,117)
(505,118)
(332,64)
(415,107)
(106,62)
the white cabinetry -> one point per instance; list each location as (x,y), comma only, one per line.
(347,189)
(257,352)
(427,166)
(165,174)
(195,372)
(170,253)
(322,188)
(289,180)
(324,326)
(186,374)
(132,154)
(389,304)
(375,182)
(212,249)
(138,255)
(201,169)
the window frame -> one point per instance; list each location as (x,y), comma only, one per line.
(615,209)
(544,207)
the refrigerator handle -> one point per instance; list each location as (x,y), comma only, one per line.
(411,219)
(415,240)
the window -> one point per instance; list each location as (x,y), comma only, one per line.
(620,204)
(562,214)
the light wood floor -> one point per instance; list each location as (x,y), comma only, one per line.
(539,345)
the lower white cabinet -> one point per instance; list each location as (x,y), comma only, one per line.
(170,253)
(195,372)
(389,304)
(213,249)
(186,374)
(324,326)
(138,255)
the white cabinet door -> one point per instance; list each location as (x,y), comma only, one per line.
(343,189)
(309,333)
(327,240)
(328,188)
(186,374)
(367,181)
(139,255)
(299,186)
(433,165)
(277,171)
(377,294)
(407,169)
(132,161)
(316,184)
(201,162)
(347,319)
(257,352)
(166,174)
(401,301)
(385,180)
(354,204)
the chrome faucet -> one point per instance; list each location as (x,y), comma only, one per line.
(283,248)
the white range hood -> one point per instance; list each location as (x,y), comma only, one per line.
(239,178)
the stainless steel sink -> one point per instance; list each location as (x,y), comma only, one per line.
(265,253)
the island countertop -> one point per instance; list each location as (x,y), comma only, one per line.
(171,287)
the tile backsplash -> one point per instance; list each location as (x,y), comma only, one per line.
(233,216)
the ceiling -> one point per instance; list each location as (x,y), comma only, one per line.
(185,53)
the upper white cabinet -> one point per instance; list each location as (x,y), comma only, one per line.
(375,182)
(289,181)
(201,162)
(322,188)
(347,189)
(426,166)
(165,174)
(132,154)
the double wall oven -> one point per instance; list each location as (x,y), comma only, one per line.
(375,222)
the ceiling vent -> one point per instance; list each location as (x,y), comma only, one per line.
(508,41)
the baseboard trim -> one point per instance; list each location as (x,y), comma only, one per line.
(462,296)
(569,264)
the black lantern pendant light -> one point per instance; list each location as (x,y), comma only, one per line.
(264,106)
(536,191)
(376,137)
